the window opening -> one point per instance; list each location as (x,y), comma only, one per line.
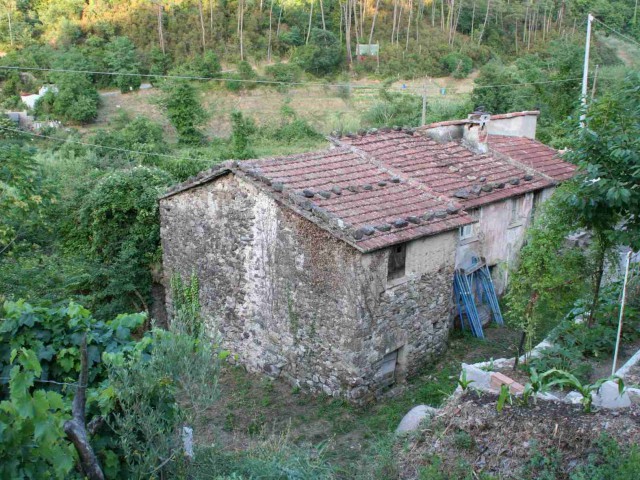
(466,232)
(387,372)
(397,259)
(515,210)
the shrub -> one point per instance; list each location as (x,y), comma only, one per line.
(457,65)
(242,129)
(121,57)
(184,111)
(394,109)
(284,72)
(118,230)
(137,135)
(244,71)
(322,55)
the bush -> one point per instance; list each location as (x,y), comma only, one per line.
(457,65)
(244,72)
(121,57)
(184,111)
(138,135)
(322,55)
(395,109)
(118,230)
(284,72)
(77,100)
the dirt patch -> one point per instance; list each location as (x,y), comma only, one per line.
(469,430)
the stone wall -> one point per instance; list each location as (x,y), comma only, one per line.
(411,314)
(290,300)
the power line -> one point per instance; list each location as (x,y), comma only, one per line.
(274,82)
(66,140)
(629,39)
(186,77)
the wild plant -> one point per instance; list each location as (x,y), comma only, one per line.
(585,389)
(504,397)
(463,382)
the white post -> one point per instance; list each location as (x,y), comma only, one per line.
(622,302)
(585,72)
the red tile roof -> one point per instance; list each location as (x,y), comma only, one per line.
(388,187)
(534,155)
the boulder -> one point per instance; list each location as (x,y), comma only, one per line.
(412,420)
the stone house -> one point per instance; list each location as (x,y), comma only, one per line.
(333,269)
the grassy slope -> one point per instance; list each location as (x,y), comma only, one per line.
(251,404)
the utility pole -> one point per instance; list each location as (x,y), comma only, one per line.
(585,72)
(424,102)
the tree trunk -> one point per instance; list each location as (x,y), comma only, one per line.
(399,22)
(473,17)
(76,429)
(373,22)
(279,20)
(486,19)
(10,25)
(310,19)
(160,28)
(597,282)
(201,13)
(211,19)
(395,15)
(270,32)
(241,27)
(324,25)
(406,45)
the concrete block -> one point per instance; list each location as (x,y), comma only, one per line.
(609,397)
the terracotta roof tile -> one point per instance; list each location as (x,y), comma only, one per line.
(534,155)
(376,190)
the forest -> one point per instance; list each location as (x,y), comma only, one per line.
(149,93)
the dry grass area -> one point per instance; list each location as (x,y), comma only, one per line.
(469,431)
(326,108)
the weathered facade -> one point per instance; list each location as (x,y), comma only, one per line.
(334,269)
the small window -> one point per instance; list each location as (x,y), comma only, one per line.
(466,232)
(397,258)
(387,371)
(515,210)
(536,202)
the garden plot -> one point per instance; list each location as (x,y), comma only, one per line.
(543,440)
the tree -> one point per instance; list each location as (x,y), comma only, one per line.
(22,194)
(118,229)
(549,276)
(76,100)
(322,55)
(606,200)
(184,111)
(242,129)
(121,57)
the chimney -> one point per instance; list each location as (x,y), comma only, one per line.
(476,131)
(515,124)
